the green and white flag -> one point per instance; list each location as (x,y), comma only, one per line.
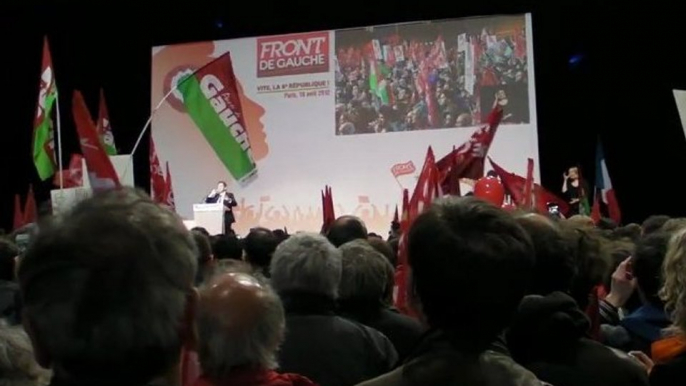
(43,133)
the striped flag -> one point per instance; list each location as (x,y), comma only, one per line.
(604,185)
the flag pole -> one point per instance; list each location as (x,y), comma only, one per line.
(59,140)
(145,129)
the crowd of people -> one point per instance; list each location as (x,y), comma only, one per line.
(431,73)
(118,292)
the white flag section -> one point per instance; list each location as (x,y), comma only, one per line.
(680,98)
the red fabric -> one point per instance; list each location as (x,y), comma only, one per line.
(396,215)
(514,185)
(30,209)
(258,377)
(593,311)
(328,215)
(595,210)
(72,177)
(613,206)
(157,181)
(18,221)
(101,173)
(667,349)
(168,190)
(426,190)
(190,368)
(467,161)
(529,184)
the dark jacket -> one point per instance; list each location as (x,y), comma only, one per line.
(672,373)
(549,337)
(403,331)
(637,331)
(435,362)
(10,302)
(229,204)
(328,349)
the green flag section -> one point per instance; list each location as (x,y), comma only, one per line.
(212,101)
(377,81)
(43,136)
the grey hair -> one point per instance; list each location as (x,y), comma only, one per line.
(221,349)
(365,272)
(107,285)
(307,262)
(17,364)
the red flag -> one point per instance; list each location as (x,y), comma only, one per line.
(468,159)
(529,184)
(157,181)
(595,210)
(515,186)
(425,192)
(453,179)
(101,173)
(169,191)
(396,216)
(18,214)
(104,128)
(406,205)
(30,209)
(328,215)
(72,177)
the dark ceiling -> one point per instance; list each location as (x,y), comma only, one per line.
(601,70)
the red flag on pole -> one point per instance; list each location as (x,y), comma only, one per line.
(396,216)
(104,128)
(529,184)
(425,192)
(515,187)
(328,215)
(18,220)
(157,181)
(73,176)
(467,161)
(169,191)
(101,173)
(595,210)
(30,209)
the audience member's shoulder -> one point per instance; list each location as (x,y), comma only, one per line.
(502,370)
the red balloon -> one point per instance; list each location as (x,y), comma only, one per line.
(490,189)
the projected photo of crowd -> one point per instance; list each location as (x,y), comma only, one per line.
(436,75)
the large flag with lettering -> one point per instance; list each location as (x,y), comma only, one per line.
(604,185)
(212,101)
(101,173)
(43,133)
(104,128)
(158,183)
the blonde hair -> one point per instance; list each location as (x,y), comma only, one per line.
(673,291)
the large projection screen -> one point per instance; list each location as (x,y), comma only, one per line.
(344,107)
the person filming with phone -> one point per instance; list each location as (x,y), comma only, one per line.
(220,194)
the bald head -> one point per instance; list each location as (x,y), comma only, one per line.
(240,323)
(346,229)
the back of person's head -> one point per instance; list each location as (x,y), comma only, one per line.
(364,277)
(306,263)
(384,248)
(631,232)
(471,265)
(227,247)
(581,221)
(554,269)
(653,224)
(673,225)
(647,266)
(8,253)
(281,234)
(240,324)
(259,246)
(345,229)
(204,256)
(17,364)
(607,224)
(201,230)
(586,247)
(673,291)
(108,289)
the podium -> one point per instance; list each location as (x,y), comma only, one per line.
(210,217)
